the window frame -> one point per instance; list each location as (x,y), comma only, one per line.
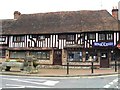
(62,36)
(18,38)
(15,54)
(2,38)
(41,55)
(107,36)
(40,37)
(70,37)
(75,54)
(2,53)
(93,37)
(101,35)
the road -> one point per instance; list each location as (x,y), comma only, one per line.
(110,81)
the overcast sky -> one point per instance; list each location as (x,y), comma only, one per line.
(7,7)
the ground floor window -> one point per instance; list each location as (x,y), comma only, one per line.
(75,56)
(92,54)
(17,54)
(2,53)
(42,55)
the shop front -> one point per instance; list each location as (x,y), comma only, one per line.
(105,53)
(79,56)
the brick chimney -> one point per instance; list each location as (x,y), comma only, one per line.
(17,14)
(115,13)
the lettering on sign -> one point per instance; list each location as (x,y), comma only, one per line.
(103,44)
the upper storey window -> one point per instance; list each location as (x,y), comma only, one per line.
(71,37)
(62,36)
(2,39)
(41,37)
(18,38)
(106,36)
(101,36)
(109,36)
(91,36)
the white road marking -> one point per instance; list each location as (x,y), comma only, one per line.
(22,86)
(107,86)
(115,80)
(111,83)
(14,86)
(99,76)
(50,83)
(47,82)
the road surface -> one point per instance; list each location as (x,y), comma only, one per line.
(109,81)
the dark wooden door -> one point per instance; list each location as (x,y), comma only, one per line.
(104,60)
(57,57)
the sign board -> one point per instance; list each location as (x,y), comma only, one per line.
(103,44)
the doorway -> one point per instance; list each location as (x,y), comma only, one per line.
(57,57)
(104,60)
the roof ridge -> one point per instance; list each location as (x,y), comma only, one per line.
(57,12)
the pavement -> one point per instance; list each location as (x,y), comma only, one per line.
(62,72)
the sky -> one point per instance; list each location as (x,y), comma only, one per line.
(7,7)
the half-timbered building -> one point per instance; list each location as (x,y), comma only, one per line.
(58,37)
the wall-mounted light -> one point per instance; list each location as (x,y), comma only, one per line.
(86,52)
(112,51)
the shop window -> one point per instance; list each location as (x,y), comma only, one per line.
(92,54)
(17,54)
(2,53)
(43,55)
(18,38)
(75,56)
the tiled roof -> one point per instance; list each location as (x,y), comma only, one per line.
(61,22)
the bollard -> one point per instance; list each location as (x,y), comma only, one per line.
(115,66)
(92,67)
(67,68)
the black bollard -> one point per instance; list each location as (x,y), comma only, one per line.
(115,66)
(67,68)
(92,67)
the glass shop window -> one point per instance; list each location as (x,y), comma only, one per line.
(75,56)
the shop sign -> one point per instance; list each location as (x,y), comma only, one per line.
(103,44)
